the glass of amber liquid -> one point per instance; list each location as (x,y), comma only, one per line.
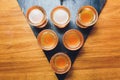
(60,63)
(73,39)
(47,39)
(86,16)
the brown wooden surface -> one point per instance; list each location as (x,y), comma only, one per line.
(22,59)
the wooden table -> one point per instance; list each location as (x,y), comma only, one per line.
(22,59)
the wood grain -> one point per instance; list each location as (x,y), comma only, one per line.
(20,56)
(22,59)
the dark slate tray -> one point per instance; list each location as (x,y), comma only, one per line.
(73,6)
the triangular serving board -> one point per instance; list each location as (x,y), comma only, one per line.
(73,6)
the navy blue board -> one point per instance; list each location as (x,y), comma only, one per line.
(73,6)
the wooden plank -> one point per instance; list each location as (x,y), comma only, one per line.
(20,56)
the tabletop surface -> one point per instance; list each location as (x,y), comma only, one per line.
(21,58)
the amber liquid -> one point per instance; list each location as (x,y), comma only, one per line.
(61,62)
(48,39)
(72,39)
(86,16)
